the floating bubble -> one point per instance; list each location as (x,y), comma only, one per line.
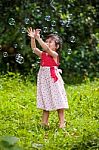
(69,51)
(75,66)
(52,29)
(37,10)
(5,54)
(26,20)
(23,30)
(33,65)
(40,22)
(15,45)
(39,15)
(32,22)
(11,21)
(68,23)
(45,29)
(19,58)
(53,23)
(70,15)
(68,6)
(72,39)
(47,18)
(52,5)
(38,62)
(62,22)
(55,32)
(60,11)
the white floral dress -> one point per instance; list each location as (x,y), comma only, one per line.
(51,95)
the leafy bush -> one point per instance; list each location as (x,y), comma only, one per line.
(75,21)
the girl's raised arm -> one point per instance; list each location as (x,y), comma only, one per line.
(31,33)
(44,45)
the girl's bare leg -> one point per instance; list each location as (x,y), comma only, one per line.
(45,117)
(61,116)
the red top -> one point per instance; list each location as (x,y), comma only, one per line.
(48,61)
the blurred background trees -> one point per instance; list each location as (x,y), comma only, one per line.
(75,21)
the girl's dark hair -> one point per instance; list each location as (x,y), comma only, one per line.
(58,40)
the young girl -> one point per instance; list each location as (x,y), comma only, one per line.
(51,93)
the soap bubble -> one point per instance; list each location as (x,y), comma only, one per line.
(15,45)
(5,54)
(55,32)
(53,23)
(68,6)
(69,51)
(38,62)
(68,23)
(23,30)
(52,5)
(37,10)
(70,15)
(72,39)
(39,15)
(62,22)
(45,29)
(47,18)
(11,21)
(33,65)
(40,22)
(52,29)
(26,20)
(19,58)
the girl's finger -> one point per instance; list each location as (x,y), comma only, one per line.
(28,34)
(28,30)
(31,35)
(38,30)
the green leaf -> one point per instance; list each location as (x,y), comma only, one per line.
(9,140)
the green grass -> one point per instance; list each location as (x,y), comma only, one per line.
(19,116)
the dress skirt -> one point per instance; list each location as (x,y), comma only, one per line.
(50,95)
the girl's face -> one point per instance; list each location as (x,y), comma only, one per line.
(51,44)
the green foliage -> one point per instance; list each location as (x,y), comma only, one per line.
(75,21)
(9,143)
(20,118)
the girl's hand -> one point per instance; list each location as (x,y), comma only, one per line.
(37,33)
(31,32)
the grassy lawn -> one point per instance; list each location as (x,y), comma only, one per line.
(20,118)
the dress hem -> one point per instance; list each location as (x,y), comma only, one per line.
(52,109)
